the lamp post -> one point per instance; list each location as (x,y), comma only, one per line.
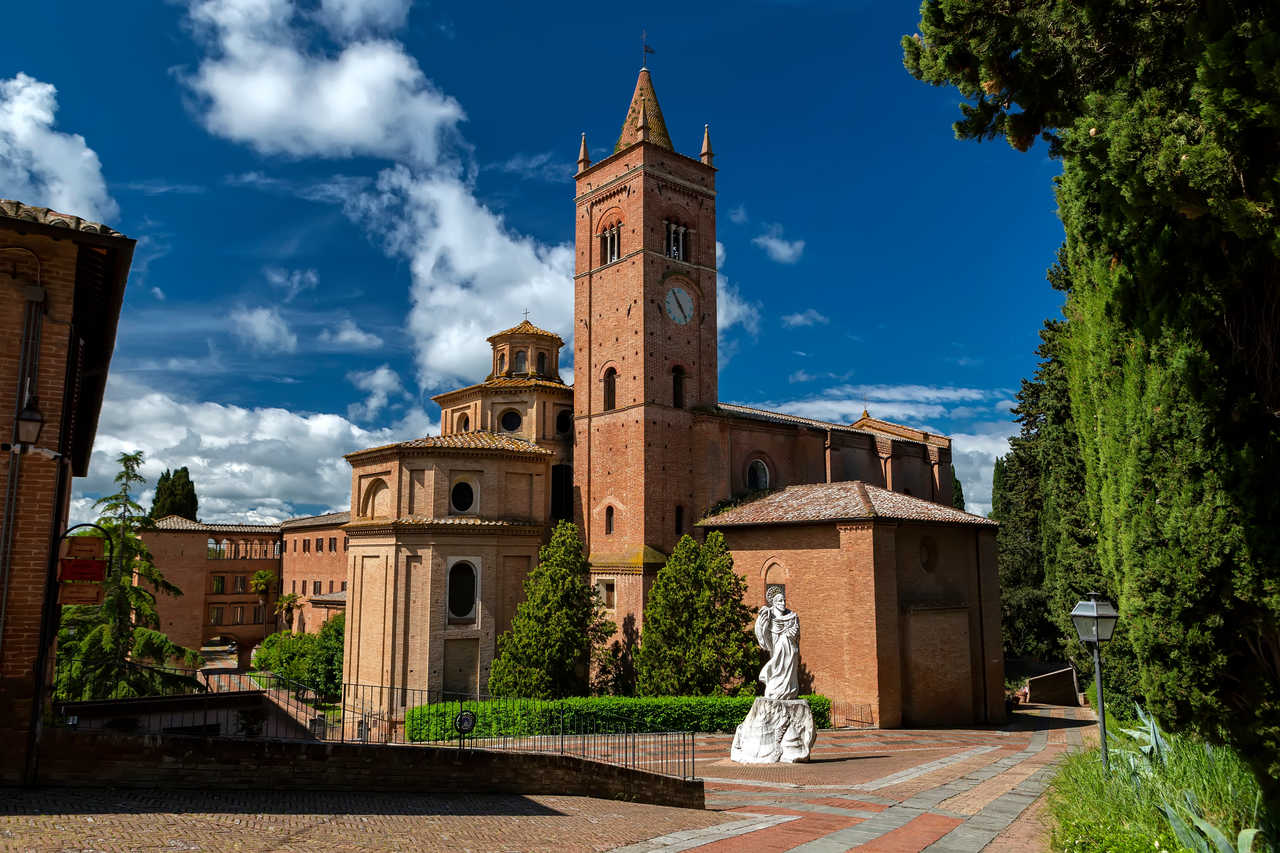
(1095,621)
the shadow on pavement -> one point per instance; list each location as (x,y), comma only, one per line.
(71,801)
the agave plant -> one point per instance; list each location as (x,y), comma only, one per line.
(1199,842)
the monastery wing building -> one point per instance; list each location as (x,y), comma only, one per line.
(898,590)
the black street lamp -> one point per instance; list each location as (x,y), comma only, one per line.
(1095,622)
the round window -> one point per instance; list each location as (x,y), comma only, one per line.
(462,590)
(511,420)
(564,421)
(757,475)
(462,497)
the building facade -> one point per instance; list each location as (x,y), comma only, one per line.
(62,282)
(313,567)
(213,564)
(443,529)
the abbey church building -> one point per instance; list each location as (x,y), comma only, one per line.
(897,590)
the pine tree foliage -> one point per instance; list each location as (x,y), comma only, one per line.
(957,490)
(697,639)
(175,495)
(114,649)
(1165,117)
(546,653)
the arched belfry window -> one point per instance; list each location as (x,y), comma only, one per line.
(610,389)
(520,362)
(677,387)
(757,475)
(542,364)
(608,519)
(464,424)
(677,241)
(502,362)
(611,240)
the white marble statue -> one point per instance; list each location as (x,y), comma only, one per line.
(778,633)
(779,726)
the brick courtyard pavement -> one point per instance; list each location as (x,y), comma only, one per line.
(893,790)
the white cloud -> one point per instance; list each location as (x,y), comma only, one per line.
(292,282)
(807,317)
(974,456)
(44,167)
(801,376)
(156,186)
(738,216)
(263,87)
(248,464)
(157,293)
(380,384)
(778,249)
(916,393)
(731,308)
(349,336)
(540,167)
(263,329)
(359,17)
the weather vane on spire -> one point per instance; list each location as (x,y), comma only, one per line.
(645,50)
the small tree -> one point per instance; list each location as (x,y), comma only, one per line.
(546,653)
(287,655)
(100,647)
(175,495)
(324,669)
(696,638)
(957,490)
(285,605)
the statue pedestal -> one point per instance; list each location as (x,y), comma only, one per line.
(775,730)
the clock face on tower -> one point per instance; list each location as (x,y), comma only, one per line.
(679,305)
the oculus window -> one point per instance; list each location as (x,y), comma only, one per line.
(462,592)
(511,420)
(462,497)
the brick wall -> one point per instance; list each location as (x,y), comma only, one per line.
(84,759)
(324,562)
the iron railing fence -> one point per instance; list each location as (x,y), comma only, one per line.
(851,715)
(268,706)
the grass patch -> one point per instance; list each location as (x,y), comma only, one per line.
(1123,812)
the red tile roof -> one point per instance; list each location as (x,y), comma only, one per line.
(524,327)
(850,500)
(327,519)
(178,524)
(44,216)
(466,441)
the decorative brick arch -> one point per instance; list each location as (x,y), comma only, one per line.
(376,500)
(609,219)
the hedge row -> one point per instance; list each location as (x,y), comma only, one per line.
(522,717)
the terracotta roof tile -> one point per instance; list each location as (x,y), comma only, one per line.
(849,500)
(508,383)
(176,523)
(467,441)
(339,597)
(44,216)
(443,521)
(524,327)
(646,96)
(328,518)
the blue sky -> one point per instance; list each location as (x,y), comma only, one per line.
(337,200)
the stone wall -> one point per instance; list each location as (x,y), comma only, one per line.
(84,759)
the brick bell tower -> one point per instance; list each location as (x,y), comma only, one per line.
(644,345)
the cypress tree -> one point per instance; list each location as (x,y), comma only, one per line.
(175,495)
(546,653)
(957,490)
(1171,206)
(696,639)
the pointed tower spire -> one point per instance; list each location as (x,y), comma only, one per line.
(642,124)
(707,153)
(584,161)
(644,100)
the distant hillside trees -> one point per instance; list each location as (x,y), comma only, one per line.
(1164,117)
(175,495)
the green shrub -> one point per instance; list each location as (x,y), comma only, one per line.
(524,717)
(1123,812)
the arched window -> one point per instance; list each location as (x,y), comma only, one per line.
(679,520)
(757,475)
(677,241)
(464,423)
(611,241)
(462,592)
(520,362)
(462,496)
(542,364)
(502,362)
(511,420)
(610,389)
(677,387)
(564,421)
(608,519)
(376,503)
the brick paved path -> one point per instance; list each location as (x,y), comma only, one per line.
(942,791)
(869,790)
